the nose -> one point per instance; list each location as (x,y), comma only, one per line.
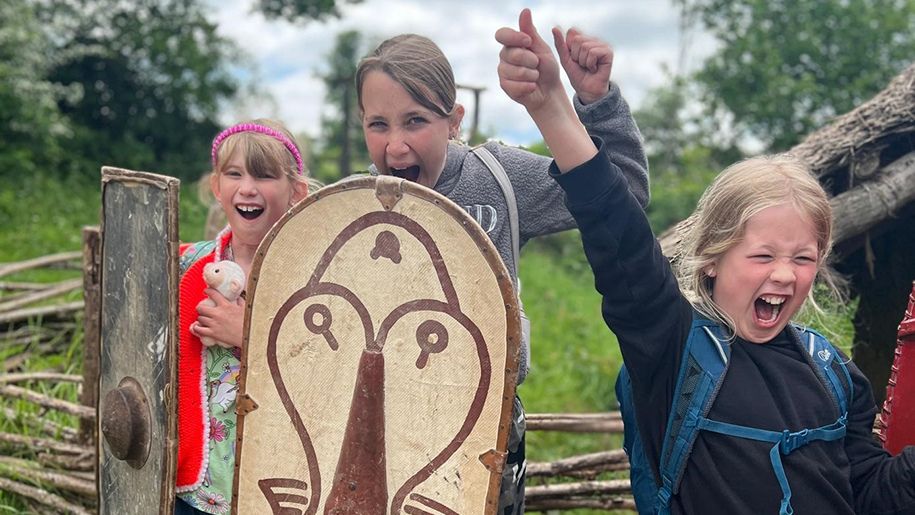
(397,144)
(783,272)
(248,186)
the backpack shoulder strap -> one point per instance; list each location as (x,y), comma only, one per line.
(498,171)
(641,476)
(829,365)
(702,369)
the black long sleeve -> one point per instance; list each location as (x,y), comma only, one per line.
(642,303)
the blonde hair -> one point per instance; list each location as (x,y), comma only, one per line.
(416,63)
(741,191)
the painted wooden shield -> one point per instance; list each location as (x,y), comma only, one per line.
(896,424)
(380,358)
(136,422)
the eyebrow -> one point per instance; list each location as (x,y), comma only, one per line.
(772,249)
(425,113)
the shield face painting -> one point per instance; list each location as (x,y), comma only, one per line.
(380,358)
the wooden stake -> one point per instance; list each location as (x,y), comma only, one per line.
(42,496)
(53,259)
(587,465)
(25,314)
(67,433)
(48,293)
(40,376)
(32,442)
(24,469)
(48,402)
(610,422)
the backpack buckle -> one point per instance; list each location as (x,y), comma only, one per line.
(792,441)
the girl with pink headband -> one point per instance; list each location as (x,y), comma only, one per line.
(258,174)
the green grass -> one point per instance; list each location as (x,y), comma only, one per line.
(574,356)
(45,215)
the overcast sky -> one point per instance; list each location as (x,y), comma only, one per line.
(287,57)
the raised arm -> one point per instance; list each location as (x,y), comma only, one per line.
(529,74)
(588,62)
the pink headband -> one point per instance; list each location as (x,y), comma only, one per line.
(253,127)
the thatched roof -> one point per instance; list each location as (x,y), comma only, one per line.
(865,158)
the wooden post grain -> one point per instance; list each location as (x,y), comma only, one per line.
(92,301)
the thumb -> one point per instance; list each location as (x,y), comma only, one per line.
(561,47)
(526,25)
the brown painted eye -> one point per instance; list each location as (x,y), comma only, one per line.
(317,320)
(432,338)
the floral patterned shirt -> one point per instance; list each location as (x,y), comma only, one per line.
(215,494)
(222,370)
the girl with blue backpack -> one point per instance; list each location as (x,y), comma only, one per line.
(729,407)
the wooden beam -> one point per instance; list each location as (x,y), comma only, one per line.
(609,422)
(858,209)
(53,259)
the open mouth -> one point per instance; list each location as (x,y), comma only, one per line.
(249,212)
(768,308)
(410,173)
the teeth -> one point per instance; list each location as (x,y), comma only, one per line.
(249,209)
(773,300)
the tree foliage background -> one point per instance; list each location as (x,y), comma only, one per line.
(136,84)
(782,69)
(141,84)
(785,67)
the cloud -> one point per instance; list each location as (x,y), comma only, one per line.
(645,36)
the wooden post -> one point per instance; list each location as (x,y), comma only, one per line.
(475,126)
(92,303)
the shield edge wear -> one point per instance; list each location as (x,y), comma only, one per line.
(389,191)
(159,399)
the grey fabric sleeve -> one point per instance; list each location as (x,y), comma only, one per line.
(541,206)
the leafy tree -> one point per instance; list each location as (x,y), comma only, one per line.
(684,152)
(30,121)
(301,10)
(787,66)
(151,76)
(342,140)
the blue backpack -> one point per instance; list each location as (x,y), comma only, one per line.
(702,370)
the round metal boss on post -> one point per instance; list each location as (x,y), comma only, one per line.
(126,423)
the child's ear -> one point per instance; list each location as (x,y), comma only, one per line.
(214,184)
(710,271)
(454,121)
(299,191)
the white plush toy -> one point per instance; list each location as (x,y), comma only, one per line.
(227,278)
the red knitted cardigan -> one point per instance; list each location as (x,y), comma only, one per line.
(193,405)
